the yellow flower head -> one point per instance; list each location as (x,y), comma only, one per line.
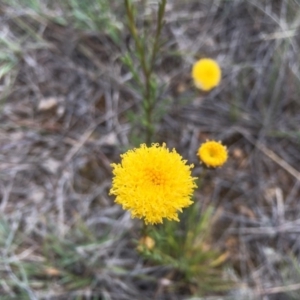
(206,74)
(213,154)
(153,183)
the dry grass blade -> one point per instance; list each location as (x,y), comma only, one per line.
(268,152)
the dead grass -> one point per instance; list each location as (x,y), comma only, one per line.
(65,96)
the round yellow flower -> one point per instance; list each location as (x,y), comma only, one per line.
(153,183)
(206,74)
(213,154)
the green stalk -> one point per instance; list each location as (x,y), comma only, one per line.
(145,230)
(147,66)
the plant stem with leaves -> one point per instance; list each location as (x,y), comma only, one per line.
(147,62)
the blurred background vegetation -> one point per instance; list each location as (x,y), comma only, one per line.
(70,104)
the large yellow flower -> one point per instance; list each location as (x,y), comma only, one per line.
(206,74)
(153,183)
(213,154)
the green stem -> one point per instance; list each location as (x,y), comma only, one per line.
(134,33)
(147,66)
(145,229)
(160,22)
(155,49)
(201,178)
